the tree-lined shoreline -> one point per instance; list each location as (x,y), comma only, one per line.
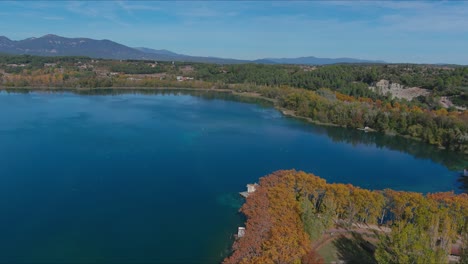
(291,210)
(328,95)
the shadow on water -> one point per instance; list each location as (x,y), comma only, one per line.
(452,160)
(463,180)
(355,250)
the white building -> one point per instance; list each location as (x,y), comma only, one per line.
(240,232)
(251,188)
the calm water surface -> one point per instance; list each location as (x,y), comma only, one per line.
(138,178)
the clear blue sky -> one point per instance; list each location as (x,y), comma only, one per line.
(413,31)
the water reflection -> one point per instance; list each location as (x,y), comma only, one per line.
(452,160)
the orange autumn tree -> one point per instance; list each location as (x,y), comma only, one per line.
(275,232)
(291,209)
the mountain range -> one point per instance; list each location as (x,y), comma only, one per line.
(53,45)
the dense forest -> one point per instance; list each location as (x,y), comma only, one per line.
(350,79)
(439,127)
(290,211)
(332,94)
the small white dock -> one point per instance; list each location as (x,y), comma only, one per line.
(244,194)
(251,188)
(366,129)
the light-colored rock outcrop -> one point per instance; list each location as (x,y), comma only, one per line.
(397,90)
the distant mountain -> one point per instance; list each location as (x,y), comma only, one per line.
(159,52)
(319,61)
(5,44)
(53,45)
(264,61)
(182,57)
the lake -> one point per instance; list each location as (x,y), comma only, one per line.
(138,178)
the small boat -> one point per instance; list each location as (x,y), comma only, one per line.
(366,129)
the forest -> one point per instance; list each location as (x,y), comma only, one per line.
(291,211)
(349,79)
(332,94)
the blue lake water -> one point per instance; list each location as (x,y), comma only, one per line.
(134,178)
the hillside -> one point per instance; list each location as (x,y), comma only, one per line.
(53,45)
(319,61)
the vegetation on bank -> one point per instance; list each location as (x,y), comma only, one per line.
(349,79)
(334,94)
(291,210)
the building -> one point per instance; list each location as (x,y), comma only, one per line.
(183,78)
(251,188)
(240,232)
(16,65)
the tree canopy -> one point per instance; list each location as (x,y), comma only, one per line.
(290,209)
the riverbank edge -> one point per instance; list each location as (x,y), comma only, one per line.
(341,226)
(286,112)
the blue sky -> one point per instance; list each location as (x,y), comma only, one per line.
(416,31)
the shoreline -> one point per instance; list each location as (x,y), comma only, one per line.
(284,111)
(71,89)
(257,210)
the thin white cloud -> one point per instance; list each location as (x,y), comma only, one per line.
(412,16)
(106,10)
(426,23)
(396,5)
(53,18)
(129,6)
(433,18)
(204,12)
(82,8)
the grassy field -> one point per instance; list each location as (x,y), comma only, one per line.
(350,248)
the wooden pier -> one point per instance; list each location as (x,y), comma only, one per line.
(244,194)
